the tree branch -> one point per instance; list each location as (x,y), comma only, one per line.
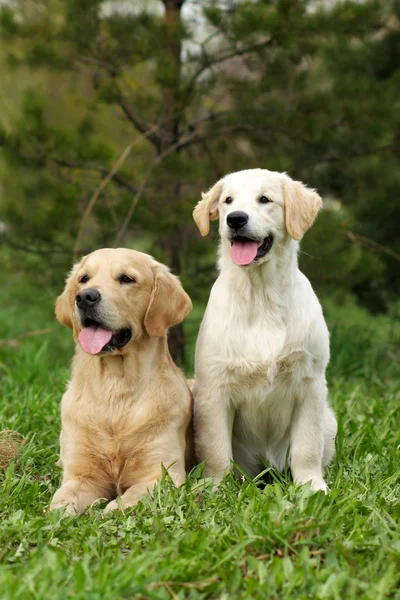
(18,246)
(333,157)
(218,60)
(141,125)
(122,232)
(195,137)
(96,194)
(103,184)
(372,245)
(70,164)
(159,158)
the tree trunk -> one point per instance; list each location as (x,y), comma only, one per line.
(176,338)
(176,344)
(171,128)
(172,245)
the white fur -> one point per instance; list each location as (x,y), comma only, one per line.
(263,348)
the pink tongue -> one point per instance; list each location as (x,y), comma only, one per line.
(243,253)
(94,338)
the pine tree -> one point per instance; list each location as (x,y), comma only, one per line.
(154,105)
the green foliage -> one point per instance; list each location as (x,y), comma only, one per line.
(8,23)
(337,268)
(311,89)
(243,541)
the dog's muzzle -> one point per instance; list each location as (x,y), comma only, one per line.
(246,250)
(237,219)
(96,337)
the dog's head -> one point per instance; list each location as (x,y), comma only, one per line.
(257,209)
(114,297)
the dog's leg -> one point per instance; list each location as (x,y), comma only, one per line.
(132,495)
(139,490)
(330,431)
(76,495)
(139,477)
(307,435)
(213,422)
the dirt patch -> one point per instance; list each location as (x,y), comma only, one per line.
(10,444)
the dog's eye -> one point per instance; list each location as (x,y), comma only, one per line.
(126,279)
(264,200)
(84,279)
(228,200)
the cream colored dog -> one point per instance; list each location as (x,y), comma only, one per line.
(263,346)
(127,408)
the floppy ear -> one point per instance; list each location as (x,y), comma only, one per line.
(169,303)
(66,302)
(207,209)
(301,207)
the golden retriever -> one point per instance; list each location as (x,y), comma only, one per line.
(127,409)
(263,346)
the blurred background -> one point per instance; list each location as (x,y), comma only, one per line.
(115,115)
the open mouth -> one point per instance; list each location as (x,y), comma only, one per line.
(95,338)
(245,251)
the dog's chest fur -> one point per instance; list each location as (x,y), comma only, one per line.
(112,420)
(253,368)
(258,354)
(254,347)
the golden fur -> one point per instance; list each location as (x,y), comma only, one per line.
(125,413)
(301,208)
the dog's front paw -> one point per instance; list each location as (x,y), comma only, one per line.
(215,476)
(113,505)
(69,504)
(216,483)
(75,498)
(316,483)
(319,485)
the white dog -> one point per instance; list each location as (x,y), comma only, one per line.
(263,345)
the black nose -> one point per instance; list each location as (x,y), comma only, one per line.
(237,219)
(87,298)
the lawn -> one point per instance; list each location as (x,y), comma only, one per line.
(245,540)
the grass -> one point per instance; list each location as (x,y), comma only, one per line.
(243,541)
